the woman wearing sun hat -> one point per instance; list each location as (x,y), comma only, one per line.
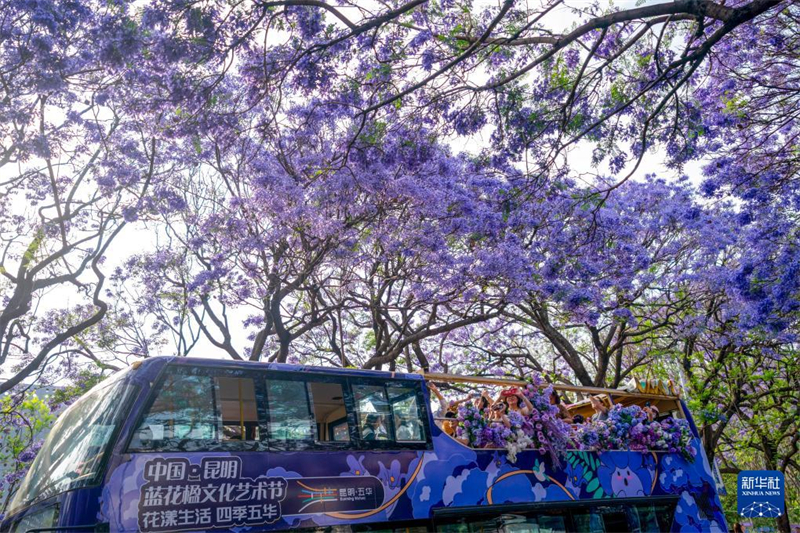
(516,401)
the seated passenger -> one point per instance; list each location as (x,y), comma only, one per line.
(563,412)
(651,411)
(517,401)
(601,411)
(450,424)
(373,427)
(383,433)
(406,429)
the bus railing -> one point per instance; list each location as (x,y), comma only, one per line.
(580,389)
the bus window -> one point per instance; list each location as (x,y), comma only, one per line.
(374,416)
(194,410)
(38,520)
(330,414)
(181,416)
(407,420)
(642,517)
(237,400)
(73,452)
(290,418)
(637,514)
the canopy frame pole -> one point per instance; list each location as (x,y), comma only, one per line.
(454,378)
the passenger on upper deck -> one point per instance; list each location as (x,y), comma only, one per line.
(499,413)
(651,411)
(514,398)
(450,424)
(563,412)
(443,405)
(599,407)
(446,410)
(482,401)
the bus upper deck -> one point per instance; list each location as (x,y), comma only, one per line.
(178,444)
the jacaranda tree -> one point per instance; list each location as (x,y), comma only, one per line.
(435,184)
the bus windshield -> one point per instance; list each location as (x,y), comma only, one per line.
(73,452)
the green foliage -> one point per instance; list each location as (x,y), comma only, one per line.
(559,75)
(37,415)
(25,423)
(374,134)
(86,380)
(33,248)
(617,93)
(371,341)
(588,463)
(736,105)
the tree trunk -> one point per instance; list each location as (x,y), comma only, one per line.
(783,523)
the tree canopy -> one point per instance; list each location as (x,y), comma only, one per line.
(591,193)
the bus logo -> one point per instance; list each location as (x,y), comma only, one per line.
(178,495)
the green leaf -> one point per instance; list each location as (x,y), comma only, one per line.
(33,247)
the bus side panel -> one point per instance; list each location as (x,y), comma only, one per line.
(286,490)
(256,490)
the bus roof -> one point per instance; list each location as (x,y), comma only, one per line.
(285,367)
(355,372)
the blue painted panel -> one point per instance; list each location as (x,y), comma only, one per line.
(329,488)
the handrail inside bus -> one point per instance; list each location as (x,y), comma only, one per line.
(434,376)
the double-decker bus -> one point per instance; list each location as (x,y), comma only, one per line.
(181,444)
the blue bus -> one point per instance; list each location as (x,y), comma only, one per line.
(182,444)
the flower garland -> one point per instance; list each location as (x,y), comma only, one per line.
(474,428)
(520,437)
(471,426)
(548,432)
(541,430)
(627,428)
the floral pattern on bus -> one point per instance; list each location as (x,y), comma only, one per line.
(331,488)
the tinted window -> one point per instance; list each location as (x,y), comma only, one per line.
(289,414)
(405,411)
(206,409)
(237,404)
(183,411)
(374,415)
(330,415)
(193,411)
(44,519)
(73,452)
(641,517)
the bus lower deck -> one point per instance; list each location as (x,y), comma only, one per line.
(180,444)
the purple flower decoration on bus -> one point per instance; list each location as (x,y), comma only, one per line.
(391,477)
(357,467)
